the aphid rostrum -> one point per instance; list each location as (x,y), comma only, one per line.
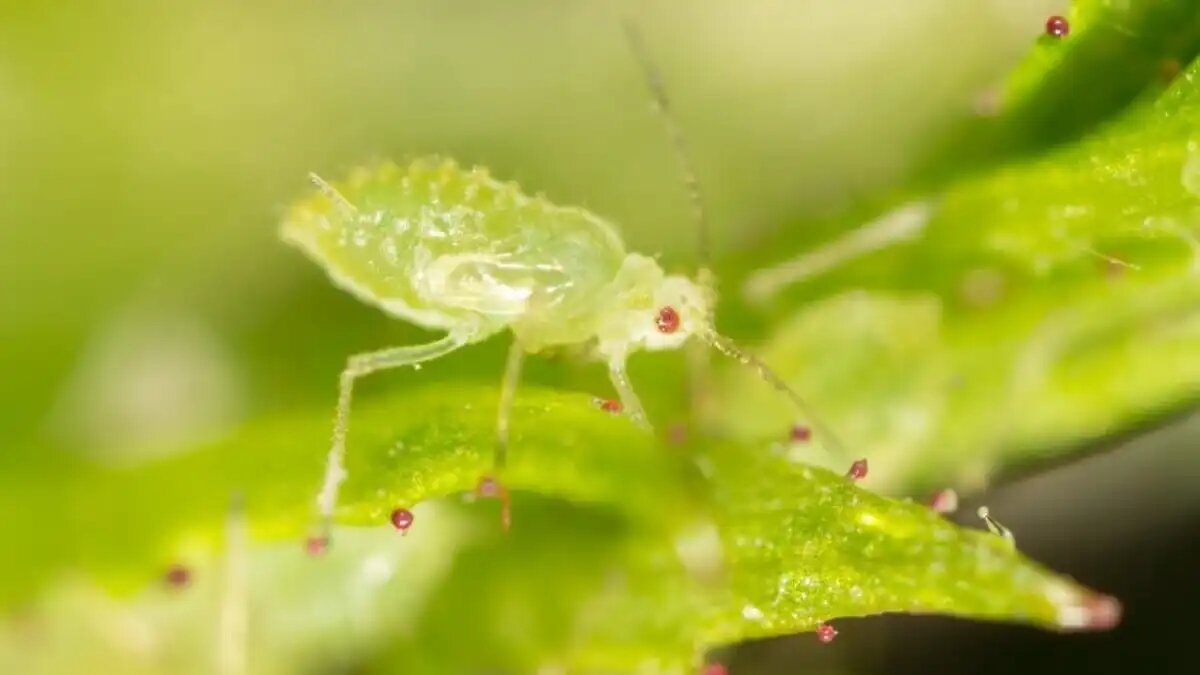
(453,249)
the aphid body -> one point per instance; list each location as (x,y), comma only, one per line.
(454,249)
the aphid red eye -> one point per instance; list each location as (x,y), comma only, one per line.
(667,320)
(826,633)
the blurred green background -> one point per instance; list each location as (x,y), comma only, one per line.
(148,149)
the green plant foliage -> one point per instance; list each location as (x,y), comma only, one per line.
(607,565)
(1116,53)
(1045,305)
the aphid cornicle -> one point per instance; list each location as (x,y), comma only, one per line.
(451,248)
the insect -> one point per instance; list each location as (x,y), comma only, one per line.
(454,249)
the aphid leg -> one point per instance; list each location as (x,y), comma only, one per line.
(233,621)
(359,366)
(508,392)
(629,398)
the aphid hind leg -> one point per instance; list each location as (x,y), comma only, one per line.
(358,366)
(629,398)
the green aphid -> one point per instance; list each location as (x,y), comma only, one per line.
(450,248)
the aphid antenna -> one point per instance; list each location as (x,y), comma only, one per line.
(1112,260)
(730,348)
(698,359)
(331,193)
(232,623)
(705,277)
(691,180)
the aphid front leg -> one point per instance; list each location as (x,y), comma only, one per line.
(490,486)
(629,398)
(358,366)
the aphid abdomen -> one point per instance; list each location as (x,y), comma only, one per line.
(442,247)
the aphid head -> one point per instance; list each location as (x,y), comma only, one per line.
(652,310)
(680,310)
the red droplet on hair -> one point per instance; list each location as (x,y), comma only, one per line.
(611,405)
(402,519)
(677,434)
(178,576)
(944,501)
(826,633)
(801,433)
(487,487)
(1057,26)
(316,546)
(1104,612)
(858,470)
(667,320)
(490,487)
(715,669)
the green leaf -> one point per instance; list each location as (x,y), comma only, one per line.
(611,562)
(1116,54)
(1044,306)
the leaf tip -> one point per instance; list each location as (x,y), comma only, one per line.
(1084,610)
